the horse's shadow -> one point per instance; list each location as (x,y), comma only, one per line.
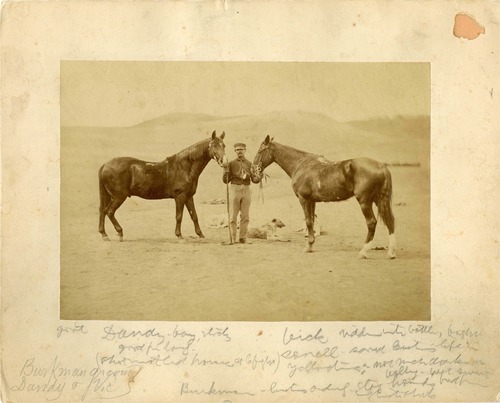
(172,241)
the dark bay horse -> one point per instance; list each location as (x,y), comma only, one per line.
(174,178)
(315,179)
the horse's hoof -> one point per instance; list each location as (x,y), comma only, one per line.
(308,249)
(120,238)
(391,255)
(362,256)
(105,238)
(182,240)
(201,236)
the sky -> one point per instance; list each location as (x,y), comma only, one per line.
(117,93)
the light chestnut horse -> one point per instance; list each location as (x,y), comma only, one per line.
(315,179)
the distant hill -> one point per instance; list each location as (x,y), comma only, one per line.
(304,128)
(176,118)
(400,140)
(412,125)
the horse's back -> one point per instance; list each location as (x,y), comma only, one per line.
(322,180)
(365,163)
(120,164)
(366,168)
(128,176)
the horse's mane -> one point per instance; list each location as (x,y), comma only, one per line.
(305,153)
(193,152)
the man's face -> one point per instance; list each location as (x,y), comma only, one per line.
(240,152)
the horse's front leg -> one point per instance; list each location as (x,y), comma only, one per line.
(180,201)
(309,208)
(194,216)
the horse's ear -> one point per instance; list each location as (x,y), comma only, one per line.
(213,135)
(272,139)
(266,140)
(222,135)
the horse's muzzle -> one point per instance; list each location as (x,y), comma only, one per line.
(222,161)
(256,171)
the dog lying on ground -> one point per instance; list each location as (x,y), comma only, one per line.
(268,231)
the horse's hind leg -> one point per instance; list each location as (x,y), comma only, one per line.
(104,200)
(194,216)
(102,217)
(391,251)
(388,219)
(371,223)
(110,211)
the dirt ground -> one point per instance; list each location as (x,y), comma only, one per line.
(153,276)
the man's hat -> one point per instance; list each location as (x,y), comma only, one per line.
(240,145)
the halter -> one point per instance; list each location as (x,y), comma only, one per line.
(262,148)
(210,147)
(259,172)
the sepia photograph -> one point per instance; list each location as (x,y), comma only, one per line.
(245,191)
(234,201)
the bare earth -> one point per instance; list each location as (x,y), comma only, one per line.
(153,276)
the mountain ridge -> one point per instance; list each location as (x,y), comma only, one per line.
(400,139)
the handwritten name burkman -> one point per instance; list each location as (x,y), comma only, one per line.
(212,390)
(55,379)
(40,379)
(274,388)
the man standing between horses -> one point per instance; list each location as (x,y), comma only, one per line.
(238,174)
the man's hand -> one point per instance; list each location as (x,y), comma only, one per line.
(256,170)
(256,173)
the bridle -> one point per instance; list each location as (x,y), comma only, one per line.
(258,167)
(259,171)
(211,150)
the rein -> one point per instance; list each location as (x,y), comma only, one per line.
(260,197)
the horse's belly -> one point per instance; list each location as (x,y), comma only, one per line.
(151,187)
(331,194)
(148,185)
(146,191)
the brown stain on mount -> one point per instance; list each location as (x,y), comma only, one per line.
(132,375)
(467,27)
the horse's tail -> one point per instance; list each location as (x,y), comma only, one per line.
(104,195)
(385,201)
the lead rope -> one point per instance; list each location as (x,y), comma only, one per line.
(261,188)
(260,198)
